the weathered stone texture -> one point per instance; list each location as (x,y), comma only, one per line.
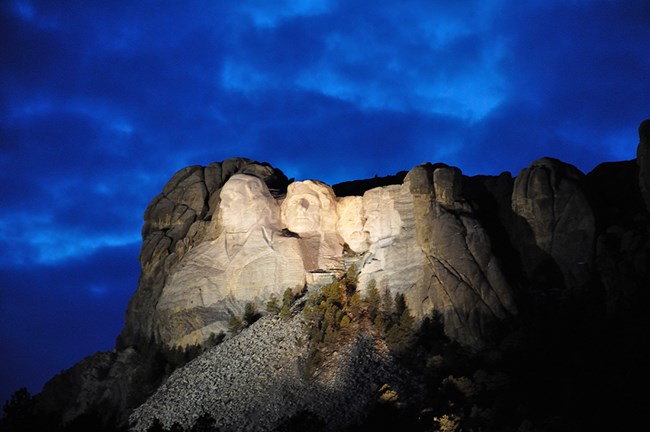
(394,259)
(556,233)
(420,239)
(467,285)
(175,221)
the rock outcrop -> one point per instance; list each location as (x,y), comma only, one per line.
(394,260)
(420,239)
(248,262)
(466,282)
(183,216)
(643,159)
(623,241)
(552,248)
(105,386)
(556,231)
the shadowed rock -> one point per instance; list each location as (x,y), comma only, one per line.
(466,282)
(556,232)
(643,159)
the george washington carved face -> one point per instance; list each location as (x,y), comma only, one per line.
(247,203)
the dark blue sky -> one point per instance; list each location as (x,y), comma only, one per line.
(101,102)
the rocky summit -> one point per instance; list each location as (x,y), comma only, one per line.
(212,252)
(426,300)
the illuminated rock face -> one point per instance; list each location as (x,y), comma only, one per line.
(394,259)
(466,284)
(350,224)
(182,217)
(419,239)
(247,262)
(309,210)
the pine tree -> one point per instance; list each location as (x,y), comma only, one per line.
(287,297)
(273,305)
(215,339)
(18,412)
(387,308)
(205,423)
(373,299)
(250,314)
(287,301)
(354,305)
(400,305)
(156,426)
(332,293)
(235,324)
(401,336)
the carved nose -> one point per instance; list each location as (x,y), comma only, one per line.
(304,205)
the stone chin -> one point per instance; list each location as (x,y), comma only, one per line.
(358,241)
(303,225)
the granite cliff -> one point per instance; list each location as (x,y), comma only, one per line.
(206,254)
(546,262)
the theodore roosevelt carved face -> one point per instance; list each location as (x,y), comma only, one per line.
(310,207)
(247,203)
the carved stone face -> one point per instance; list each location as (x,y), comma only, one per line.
(310,207)
(382,219)
(350,225)
(246,203)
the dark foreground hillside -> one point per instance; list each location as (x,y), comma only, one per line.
(570,354)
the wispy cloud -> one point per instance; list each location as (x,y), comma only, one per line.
(101,102)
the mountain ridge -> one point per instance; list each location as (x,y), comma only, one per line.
(539,261)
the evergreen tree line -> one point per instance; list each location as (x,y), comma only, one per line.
(338,310)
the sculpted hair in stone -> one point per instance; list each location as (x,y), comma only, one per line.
(310,206)
(246,202)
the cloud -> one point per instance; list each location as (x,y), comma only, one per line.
(407,59)
(100,103)
(53,316)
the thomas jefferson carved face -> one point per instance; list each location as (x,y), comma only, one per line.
(247,203)
(310,207)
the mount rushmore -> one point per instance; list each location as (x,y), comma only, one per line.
(420,238)
(547,265)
